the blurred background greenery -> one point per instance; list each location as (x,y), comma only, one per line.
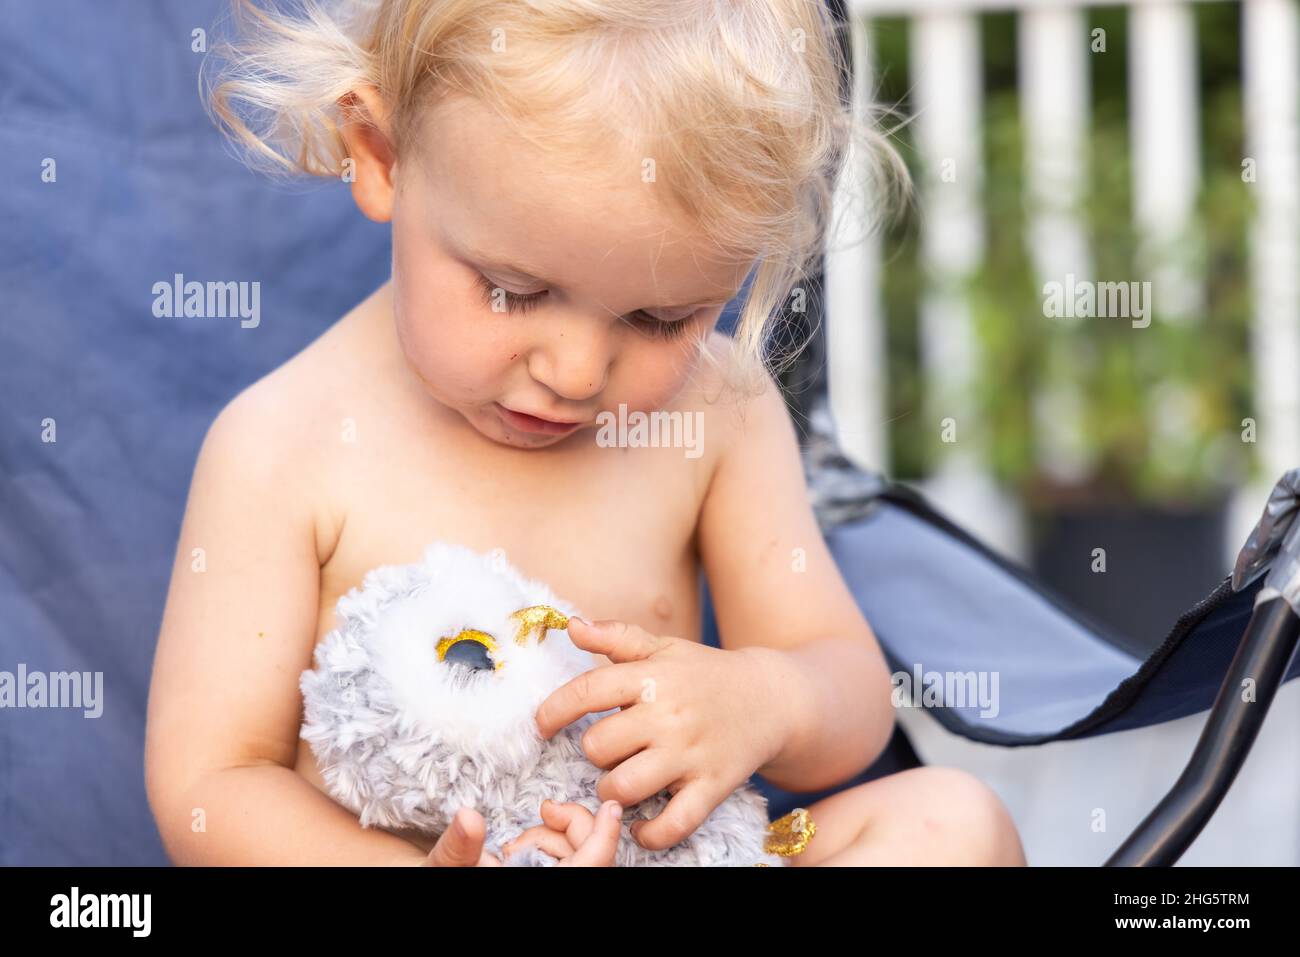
(1162,411)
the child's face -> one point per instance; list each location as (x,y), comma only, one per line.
(481,220)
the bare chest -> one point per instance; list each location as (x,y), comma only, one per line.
(611,530)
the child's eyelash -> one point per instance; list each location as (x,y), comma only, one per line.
(515,302)
(525,302)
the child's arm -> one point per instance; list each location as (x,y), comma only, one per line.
(775,585)
(238,630)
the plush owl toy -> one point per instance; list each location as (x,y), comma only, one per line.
(423,700)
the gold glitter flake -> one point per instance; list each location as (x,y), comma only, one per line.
(789,835)
(538,618)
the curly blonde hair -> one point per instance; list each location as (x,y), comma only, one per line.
(739,104)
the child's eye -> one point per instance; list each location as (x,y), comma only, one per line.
(495,297)
(658,328)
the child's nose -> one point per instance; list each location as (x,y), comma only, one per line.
(574,358)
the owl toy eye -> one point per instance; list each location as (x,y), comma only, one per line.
(470,648)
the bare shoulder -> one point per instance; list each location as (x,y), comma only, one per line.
(260,428)
(742,408)
(314,380)
(277,435)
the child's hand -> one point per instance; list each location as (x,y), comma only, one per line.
(695,720)
(573,835)
(461,845)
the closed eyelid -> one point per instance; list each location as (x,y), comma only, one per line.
(684,312)
(525,302)
(526,274)
(520,272)
(516,282)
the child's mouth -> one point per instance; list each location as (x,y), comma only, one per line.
(531,423)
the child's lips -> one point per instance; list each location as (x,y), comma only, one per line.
(531,423)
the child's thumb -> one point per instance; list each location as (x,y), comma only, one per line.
(461,844)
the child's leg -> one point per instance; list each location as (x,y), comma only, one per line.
(922,816)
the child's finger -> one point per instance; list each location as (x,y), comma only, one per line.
(617,737)
(680,817)
(571,819)
(601,846)
(551,841)
(643,775)
(616,640)
(600,689)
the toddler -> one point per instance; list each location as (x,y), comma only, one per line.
(576,189)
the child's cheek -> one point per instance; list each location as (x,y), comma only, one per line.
(430,351)
(451,355)
(653,376)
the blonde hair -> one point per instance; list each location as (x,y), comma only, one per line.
(738,104)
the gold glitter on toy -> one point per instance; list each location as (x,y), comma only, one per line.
(469,634)
(538,618)
(789,835)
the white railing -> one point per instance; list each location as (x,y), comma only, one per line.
(1053,41)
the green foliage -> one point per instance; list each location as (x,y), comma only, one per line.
(1160,408)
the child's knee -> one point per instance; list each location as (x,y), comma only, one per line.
(979,827)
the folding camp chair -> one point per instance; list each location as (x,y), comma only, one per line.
(938,598)
(941,601)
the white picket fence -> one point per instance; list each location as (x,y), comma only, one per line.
(1055,793)
(1054,45)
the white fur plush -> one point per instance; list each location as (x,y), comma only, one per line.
(404,738)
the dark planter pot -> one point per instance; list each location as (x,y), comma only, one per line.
(1159,562)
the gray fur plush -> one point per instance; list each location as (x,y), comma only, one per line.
(404,738)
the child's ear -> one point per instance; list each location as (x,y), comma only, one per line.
(366,132)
